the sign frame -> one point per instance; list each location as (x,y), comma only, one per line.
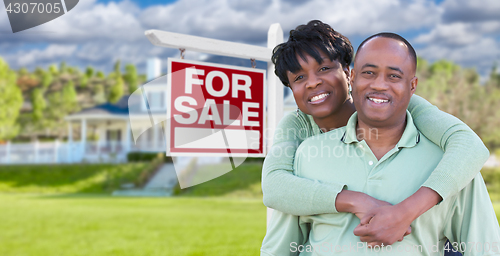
(168,127)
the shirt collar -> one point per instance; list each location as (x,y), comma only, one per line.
(409,139)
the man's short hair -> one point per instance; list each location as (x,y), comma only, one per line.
(308,39)
(394,36)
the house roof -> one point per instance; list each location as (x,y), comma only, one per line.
(119,108)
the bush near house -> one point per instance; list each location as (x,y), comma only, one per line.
(145,157)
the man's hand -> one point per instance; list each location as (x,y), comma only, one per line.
(365,204)
(383,225)
(381,222)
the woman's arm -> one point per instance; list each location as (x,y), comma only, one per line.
(284,191)
(464,156)
(464,152)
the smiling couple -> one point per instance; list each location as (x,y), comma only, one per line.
(413,181)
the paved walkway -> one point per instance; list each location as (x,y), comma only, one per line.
(165,178)
(161,185)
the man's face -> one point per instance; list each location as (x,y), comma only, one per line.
(383,82)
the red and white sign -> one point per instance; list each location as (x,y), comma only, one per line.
(214,110)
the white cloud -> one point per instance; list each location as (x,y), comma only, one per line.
(25,58)
(479,54)
(98,34)
(223,20)
(471,11)
(456,34)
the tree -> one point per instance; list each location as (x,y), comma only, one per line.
(69,99)
(63,68)
(47,79)
(37,115)
(457,91)
(99,96)
(100,75)
(53,70)
(116,91)
(38,103)
(131,77)
(84,81)
(117,67)
(89,72)
(23,71)
(11,101)
(60,104)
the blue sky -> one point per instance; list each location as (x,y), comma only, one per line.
(98,32)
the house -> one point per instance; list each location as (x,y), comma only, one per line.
(108,132)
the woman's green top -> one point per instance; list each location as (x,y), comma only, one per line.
(464,156)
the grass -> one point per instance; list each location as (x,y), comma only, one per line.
(101,225)
(75,223)
(224,216)
(243,181)
(71,178)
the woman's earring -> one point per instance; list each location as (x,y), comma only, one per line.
(297,112)
(350,89)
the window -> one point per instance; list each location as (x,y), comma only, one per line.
(113,135)
(156,100)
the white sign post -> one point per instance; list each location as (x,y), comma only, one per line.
(239,50)
(215,110)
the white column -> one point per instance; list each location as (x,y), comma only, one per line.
(35,148)
(155,137)
(127,138)
(274,93)
(70,132)
(8,152)
(83,134)
(153,67)
(99,145)
(274,86)
(56,151)
(69,145)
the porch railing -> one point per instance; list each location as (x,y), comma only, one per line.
(71,152)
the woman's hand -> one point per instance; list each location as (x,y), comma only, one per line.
(381,222)
(388,224)
(365,204)
(383,225)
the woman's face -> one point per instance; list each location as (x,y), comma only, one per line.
(319,90)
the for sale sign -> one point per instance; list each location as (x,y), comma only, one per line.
(214,110)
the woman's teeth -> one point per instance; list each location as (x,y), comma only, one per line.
(318,97)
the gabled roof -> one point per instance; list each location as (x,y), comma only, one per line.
(119,108)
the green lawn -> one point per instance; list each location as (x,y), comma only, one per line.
(242,182)
(102,225)
(224,216)
(71,178)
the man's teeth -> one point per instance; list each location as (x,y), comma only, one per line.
(378,100)
(318,97)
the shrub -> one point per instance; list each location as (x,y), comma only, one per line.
(147,157)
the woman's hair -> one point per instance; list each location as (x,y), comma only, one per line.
(307,40)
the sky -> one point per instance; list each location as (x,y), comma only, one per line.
(99,32)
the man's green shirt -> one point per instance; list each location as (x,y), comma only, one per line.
(337,156)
